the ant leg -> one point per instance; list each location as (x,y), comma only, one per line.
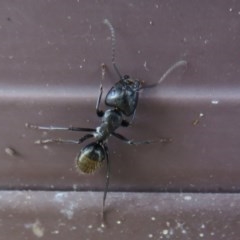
(131,142)
(59,140)
(100,112)
(125,123)
(133,116)
(107,180)
(171,69)
(53,128)
(128,141)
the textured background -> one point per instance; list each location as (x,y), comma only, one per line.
(50,57)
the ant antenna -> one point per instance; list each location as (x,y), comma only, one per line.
(170,70)
(113,38)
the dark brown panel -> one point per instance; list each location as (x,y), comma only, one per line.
(50,58)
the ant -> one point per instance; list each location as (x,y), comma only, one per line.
(123,99)
(124,94)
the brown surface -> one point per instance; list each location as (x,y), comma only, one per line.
(61,215)
(50,57)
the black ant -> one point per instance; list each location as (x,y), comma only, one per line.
(124,94)
(123,99)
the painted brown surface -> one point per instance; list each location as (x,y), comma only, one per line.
(61,215)
(50,57)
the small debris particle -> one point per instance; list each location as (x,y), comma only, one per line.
(188,198)
(10,151)
(214,102)
(165,231)
(201,235)
(184,231)
(196,121)
(153,218)
(119,222)
(150,235)
(145,66)
(37,228)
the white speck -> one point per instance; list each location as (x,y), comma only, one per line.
(201,235)
(184,231)
(156,6)
(100,230)
(102,225)
(69,17)
(165,231)
(201,114)
(67,213)
(28,197)
(214,101)
(68,210)
(139,51)
(212,233)
(239,13)
(151,22)
(55,232)
(81,66)
(206,41)
(45,147)
(184,39)
(202,226)
(145,66)
(10,151)
(168,224)
(90,226)
(188,198)
(230,9)
(10,57)
(150,235)
(119,222)
(153,218)
(60,196)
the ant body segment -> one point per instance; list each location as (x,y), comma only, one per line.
(122,99)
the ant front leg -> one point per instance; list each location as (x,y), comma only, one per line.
(99,112)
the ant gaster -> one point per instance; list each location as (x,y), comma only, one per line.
(123,99)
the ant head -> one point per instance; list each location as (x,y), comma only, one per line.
(126,77)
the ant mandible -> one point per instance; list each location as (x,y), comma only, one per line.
(123,100)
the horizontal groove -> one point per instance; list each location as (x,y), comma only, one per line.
(174,191)
(214,95)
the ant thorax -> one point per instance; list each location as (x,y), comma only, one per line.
(111,120)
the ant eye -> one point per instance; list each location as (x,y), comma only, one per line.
(125,77)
